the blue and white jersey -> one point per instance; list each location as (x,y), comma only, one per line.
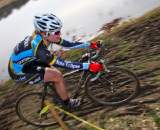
(34,47)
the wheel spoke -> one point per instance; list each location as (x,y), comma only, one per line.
(113,87)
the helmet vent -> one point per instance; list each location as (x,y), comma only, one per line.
(42,23)
(51,18)
(45,19)
(42,27)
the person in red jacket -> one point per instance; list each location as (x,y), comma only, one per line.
(32,62)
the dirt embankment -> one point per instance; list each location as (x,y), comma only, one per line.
(6,6)
(134,45)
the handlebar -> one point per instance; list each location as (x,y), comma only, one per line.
(92,54)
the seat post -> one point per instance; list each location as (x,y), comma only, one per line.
(46,84)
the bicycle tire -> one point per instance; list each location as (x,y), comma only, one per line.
(21,114)
(93,97)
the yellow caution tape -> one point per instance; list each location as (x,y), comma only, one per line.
(71,115)
(44,110)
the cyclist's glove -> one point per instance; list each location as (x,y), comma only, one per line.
(95,44)
(95,67)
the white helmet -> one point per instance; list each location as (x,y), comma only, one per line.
(47,23)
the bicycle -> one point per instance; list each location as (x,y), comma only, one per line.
(113,86)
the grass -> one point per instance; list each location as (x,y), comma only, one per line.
(148,16)
(155,114)
(124,49)
(88,128)
(8,84)
(146,121)
(74,55)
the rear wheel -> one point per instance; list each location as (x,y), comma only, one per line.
(114,87)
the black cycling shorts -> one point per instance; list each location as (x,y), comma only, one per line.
(34,72)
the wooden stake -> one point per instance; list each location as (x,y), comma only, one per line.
(56,116)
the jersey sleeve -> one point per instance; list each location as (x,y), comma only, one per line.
(74,45)
(45,56)
(71,65)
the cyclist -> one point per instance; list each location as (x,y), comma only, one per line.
(32,62)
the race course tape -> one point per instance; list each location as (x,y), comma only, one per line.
(49,105)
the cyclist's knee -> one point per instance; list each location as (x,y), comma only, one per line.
(53,74)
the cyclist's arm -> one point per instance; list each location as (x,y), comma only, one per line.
(74,45)
(45,56)
(71,65)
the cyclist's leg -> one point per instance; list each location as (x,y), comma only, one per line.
(54,75)
(49,74)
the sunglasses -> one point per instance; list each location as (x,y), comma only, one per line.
(55,33)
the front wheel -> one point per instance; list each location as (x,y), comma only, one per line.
(113,87)
(28,108)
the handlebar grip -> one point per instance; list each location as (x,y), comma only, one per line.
(99,52)
(93,54)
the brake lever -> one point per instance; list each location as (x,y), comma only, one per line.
(104,65)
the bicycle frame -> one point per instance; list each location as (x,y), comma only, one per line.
(44,93)
(84,74)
